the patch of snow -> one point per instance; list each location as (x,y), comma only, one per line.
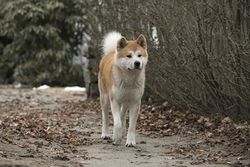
(74,89)
(155,36)
(43,87)
(18,86)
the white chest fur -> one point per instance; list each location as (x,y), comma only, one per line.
(129,87)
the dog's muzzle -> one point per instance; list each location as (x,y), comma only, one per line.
(137,65)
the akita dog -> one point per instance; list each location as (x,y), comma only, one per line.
(121,83)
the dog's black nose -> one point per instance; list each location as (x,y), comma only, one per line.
(137,64)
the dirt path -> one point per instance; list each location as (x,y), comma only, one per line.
(54,128)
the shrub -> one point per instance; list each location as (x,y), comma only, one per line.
(199,50)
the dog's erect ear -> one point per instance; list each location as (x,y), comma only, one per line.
(122,43)
(141,40)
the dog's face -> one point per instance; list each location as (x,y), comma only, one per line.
(132,55)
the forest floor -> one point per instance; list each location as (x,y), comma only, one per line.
(54,128)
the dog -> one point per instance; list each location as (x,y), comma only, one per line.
(121,82)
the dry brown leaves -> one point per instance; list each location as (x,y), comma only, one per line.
(23,119)
(61,126)
(215,131)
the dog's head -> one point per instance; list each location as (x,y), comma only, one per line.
(132,55)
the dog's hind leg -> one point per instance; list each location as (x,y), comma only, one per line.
(105,105)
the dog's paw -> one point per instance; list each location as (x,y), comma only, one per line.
(105,136)
(130,143)
(117,141)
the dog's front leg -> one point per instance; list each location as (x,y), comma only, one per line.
(123,119)
(117,130)
(133,115)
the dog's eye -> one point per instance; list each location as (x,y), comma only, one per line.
(129,56)
(139,55)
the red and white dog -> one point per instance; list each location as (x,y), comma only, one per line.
(121,83)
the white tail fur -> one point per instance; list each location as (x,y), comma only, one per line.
(110,42)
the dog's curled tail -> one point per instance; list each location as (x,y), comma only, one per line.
(110,42)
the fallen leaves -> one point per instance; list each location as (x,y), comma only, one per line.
(215,131)
(54,126)
(45,125)
(51,126)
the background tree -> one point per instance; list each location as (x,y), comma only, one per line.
(39,40)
